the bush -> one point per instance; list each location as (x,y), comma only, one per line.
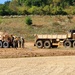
(28,21)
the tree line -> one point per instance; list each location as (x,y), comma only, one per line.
(38,7)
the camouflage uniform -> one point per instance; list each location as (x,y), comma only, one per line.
(15,43)
(21,42)
(12,39)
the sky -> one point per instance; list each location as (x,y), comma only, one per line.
(2,1)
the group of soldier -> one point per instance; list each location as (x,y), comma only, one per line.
(17,42)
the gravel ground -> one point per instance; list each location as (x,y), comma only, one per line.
(58,65)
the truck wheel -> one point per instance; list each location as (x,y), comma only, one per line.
(74,44)
(39,44)
(5,44)
(0,44)
(47,44)
(67,44)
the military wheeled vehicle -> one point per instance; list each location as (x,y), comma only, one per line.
(50,40)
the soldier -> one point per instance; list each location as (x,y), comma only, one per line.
(15,42)
(21,42)
(12,39)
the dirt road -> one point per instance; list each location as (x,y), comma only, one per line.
(63,65)
(31,51)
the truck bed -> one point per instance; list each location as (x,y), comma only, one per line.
(52,36)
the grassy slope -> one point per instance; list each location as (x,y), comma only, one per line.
(41,25)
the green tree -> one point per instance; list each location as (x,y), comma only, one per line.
(4,10)
(35,10)
(56,2)
(46,10)
(15,7)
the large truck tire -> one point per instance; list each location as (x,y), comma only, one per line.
(47,44)
(5,44)
(39,44)
(1,45)
(67,44)
(74,44)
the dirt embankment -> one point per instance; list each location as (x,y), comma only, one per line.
(31,51)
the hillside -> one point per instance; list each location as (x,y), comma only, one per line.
(41,25)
